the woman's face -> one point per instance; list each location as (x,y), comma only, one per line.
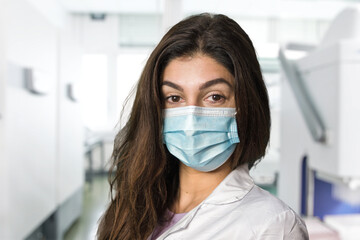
(197,81)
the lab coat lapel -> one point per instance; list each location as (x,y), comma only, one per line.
(182,224)
(233,188)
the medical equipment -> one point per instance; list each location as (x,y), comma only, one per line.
(325,84)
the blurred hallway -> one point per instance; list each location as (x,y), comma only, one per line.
(96,196)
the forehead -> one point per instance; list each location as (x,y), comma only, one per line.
(197,68)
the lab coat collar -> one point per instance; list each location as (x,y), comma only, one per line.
(233,188)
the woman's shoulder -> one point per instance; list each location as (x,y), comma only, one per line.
(271,215)
(263,204)
(264,200)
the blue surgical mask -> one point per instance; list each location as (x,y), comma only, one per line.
(202,138)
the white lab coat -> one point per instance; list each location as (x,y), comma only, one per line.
(238,209)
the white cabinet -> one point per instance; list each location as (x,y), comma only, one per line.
(41,153)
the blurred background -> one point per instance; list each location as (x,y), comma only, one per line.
(68,66)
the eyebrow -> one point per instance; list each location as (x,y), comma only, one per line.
(214,82)
(202,87)
(173,85)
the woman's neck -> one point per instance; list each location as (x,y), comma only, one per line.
(195,186)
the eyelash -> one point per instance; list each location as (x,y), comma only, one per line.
(216,95)
(170,99)
(172,96)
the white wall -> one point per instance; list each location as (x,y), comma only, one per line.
(4,214)
(31,120)
(51,9)
(40,135)
(70,164)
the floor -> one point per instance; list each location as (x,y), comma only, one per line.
(96,197)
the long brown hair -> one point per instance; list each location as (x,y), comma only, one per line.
(145,180)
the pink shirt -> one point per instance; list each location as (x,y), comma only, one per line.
(160,229)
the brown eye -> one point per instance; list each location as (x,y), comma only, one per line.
(216,97)
(173,99)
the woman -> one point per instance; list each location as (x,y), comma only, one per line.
(200,120)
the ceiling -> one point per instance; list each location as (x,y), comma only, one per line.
(313,9)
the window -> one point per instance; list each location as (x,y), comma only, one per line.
(94,90)
(129,67)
